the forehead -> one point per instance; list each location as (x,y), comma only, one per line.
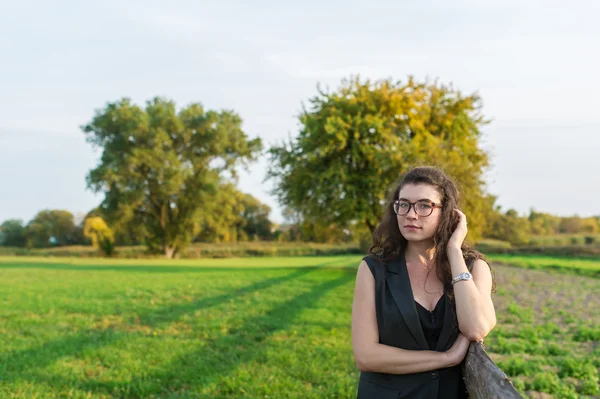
(415,192)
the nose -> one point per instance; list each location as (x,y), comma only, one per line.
(412,213)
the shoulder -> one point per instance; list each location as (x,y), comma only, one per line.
(483,274)
(474,259)
(373,261)
(478,265)
(481,267)
(376,265)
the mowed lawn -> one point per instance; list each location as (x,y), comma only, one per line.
(260,327)
(253,327)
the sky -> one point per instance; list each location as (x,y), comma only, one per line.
(535,65)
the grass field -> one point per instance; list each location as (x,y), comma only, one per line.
(256,328)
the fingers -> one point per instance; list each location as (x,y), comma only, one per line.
(462,217)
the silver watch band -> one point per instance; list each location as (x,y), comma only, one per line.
(461,277)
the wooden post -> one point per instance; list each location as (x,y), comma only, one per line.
(483,379)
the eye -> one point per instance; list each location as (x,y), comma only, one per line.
(424,206)
(403,204)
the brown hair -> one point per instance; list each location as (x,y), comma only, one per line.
(388,242)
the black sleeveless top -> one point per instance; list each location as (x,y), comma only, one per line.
(432,323)
(405,324)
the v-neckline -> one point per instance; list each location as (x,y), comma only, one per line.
(435,307)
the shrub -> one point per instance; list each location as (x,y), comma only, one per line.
(101,236)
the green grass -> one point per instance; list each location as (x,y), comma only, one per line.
(252,327)
(586,267)
(179,329)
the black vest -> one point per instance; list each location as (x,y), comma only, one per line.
(399,326)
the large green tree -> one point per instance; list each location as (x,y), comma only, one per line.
(356,141)
(162,166)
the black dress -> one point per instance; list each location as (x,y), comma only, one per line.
(451,387)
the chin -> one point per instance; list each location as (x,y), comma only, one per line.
(416,236)
(412,235)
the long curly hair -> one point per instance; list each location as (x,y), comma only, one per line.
(389,243)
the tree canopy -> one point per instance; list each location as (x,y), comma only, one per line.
(356,141)
(51,227)
(162,166)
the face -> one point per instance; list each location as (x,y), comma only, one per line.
(414,225)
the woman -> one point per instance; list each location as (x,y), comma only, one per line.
(422,296)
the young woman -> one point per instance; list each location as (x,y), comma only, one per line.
(421,296)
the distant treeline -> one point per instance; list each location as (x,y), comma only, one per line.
(60,228)
(168,174)
(533,229)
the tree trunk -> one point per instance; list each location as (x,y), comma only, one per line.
(169,251)
(483,379)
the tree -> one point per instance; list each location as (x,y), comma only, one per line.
(51,227)
(236,216)
(589,225)
(355,142)
(543,223)
(255,218)
(100,234)
(509,227)
(12,233)
(132,232)
(570,225)
(221,222)
(163,166)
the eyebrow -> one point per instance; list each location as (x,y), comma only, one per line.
(422,199)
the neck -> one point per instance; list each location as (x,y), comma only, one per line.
(421,251)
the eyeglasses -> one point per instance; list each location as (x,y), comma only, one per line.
(422,208)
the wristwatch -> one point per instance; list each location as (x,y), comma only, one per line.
(461,277)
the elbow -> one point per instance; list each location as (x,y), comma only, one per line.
(478,332)
(362,362)
(475,335)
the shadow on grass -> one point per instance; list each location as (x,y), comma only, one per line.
(20,364)
(216,358)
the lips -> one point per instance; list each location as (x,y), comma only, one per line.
(411,227)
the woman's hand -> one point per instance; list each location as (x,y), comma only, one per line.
(457,238)
(458,351)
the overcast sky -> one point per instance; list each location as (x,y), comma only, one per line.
(534,63)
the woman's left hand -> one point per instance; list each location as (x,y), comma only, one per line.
(460,232)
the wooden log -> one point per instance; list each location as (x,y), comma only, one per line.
(483,379)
